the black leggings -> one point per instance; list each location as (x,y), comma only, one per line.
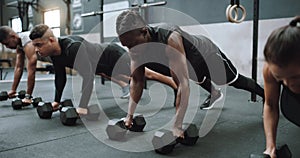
(241,82)
(290,106)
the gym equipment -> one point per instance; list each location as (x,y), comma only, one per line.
(67,102)
(4,95)
(35,101)
(281,152)
(116,128)
(69,115)
(17,103)
(45,109)
(146,5)
(93,113)
(164,142)
(234,6)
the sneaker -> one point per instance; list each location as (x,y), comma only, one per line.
(126,92)
(211,100)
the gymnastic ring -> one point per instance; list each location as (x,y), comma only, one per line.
(227,14)
(243,13)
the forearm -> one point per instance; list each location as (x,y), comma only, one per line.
(271,117)
(18,72)
(135,95)
(181,103)
(87,88)
(30,81)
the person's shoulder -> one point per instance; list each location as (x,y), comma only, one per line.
(166,26)
(268,76)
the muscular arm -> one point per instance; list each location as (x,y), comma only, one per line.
(271,109)
(31,66)
(136,85)
(18,72)
(179,71)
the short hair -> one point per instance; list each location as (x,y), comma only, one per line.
(128,21)
(283,45)
(4,32)
(38,31)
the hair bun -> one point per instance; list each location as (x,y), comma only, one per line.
(295,22)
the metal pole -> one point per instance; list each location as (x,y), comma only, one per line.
(101,32)
(255,43)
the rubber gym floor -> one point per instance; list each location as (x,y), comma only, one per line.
(237,133)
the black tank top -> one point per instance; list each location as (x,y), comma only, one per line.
(197,48)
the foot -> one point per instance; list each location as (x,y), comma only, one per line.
(126,92)
(82,111)
(211,100)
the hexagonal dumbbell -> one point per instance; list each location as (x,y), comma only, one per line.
(44,110)
(116,128)
(164,142)
(35,101)
(3,95)
(68,116)
(21,94)
(17,103)
(93,112)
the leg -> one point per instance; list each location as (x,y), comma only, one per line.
(124,85)
(152,75)
(248,84)
(215,94)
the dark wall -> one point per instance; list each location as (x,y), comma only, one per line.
(204,11)
(213,11)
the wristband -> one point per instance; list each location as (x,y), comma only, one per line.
(28,96)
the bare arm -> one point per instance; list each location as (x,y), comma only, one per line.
(136,85)
(18,72)
(179,72)
(31,66)
(271,110)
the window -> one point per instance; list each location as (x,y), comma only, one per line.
(16,24)
(52,19)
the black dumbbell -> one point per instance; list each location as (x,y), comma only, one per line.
(68,115)
(35,101)
(116,128)
(21,94)
(17,103)
(67,102)
(164,142)
(281,152)
(45,109)
(4,95)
